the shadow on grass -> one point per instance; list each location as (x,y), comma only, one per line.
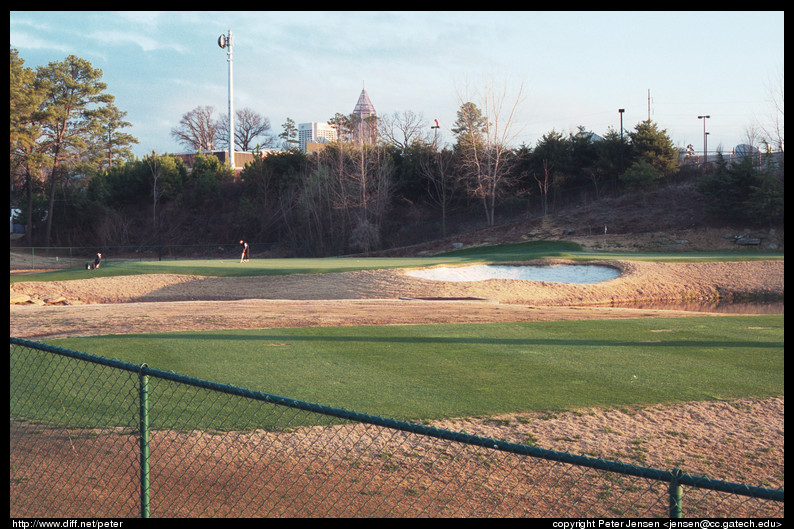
(412,340)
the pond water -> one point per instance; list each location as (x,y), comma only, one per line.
(563,273)
(581,274)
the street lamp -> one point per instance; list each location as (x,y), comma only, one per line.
(226,42)
(435,133)
(620,111)
(705,143)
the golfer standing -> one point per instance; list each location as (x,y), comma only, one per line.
(95,264)
(244,256)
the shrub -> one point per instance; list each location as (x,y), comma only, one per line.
(641,176)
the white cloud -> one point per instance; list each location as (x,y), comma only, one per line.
(30,34)
(27,41)
(120,38)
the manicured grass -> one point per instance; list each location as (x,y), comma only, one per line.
(574,251)
(484,254)
(232,267)
(434,371)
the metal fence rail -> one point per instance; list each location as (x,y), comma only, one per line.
(91,436)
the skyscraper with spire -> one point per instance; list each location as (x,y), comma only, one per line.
(366,127)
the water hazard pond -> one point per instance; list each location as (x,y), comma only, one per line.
(584,274)
(579,274)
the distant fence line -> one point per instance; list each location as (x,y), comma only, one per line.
(92,436)
(760,159)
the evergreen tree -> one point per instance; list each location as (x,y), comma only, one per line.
(74,105)
(289,135)
(28,160)
(112,146)
(740,192)
(654,146)
(469,126)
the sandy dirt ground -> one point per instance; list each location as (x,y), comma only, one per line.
(738,441)
(150,303)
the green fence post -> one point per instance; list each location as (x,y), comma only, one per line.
(144,427)
(676,510)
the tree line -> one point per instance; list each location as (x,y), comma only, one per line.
(62,121)
(77,182)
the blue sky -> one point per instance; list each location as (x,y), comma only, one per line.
(576,68)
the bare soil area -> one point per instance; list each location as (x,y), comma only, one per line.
(128,304)
(738,441)
(363,470)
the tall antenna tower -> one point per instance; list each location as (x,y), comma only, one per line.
(226,42)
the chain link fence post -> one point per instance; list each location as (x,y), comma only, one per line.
(144,427)
(676,509)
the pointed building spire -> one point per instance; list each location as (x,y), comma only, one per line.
(364,109)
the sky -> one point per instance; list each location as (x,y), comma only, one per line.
(563,69)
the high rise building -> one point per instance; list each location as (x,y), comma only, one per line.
(366,130)
(315,133)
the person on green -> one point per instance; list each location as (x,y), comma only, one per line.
(244,256)
(95,264)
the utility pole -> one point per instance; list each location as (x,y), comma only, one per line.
(226,42)
(435,134)
(620,111)
(705,142)
(439,181)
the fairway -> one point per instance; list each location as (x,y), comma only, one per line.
(438,371)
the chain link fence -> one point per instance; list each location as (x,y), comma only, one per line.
(94,437)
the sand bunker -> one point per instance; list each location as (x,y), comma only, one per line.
(564,273)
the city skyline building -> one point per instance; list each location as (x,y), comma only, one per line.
(315,132)
(366,129)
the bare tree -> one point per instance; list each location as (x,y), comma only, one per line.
(151,161)
(773,129)
(545,183)
(371,178)
(197,130)
(248,125)
(360,189)
(435,167)
(404,128)
(485,151)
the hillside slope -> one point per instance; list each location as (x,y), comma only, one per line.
(671,218)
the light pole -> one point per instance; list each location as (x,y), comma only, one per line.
(439,181)
(620,111)
(705,143)
(226,42)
